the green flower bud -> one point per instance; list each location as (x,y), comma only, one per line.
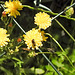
(69,12)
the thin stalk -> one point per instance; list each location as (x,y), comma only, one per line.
(59,13)
(72,2)
(63,11)
(49,62)
(50,12)
(44,52)
(73,71)
(60,48)
(65,30)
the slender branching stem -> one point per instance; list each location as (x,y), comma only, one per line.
(60,48)
(72,2)
(50,12)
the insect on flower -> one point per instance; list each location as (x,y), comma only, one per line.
(33,42)
(33,39)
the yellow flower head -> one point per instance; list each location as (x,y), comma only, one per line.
(33,39)
(3,37)
(43,20)
(12,7)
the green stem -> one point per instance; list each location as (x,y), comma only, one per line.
(44,52)
(68,70)
(60,48)
(71,2)
(65,30)
(50,12)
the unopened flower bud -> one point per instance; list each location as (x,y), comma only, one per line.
(3,14)
(69,12)
(10,25)
(19,40)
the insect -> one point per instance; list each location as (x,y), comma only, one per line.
(33,42)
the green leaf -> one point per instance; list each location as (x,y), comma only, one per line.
(49,68)
(58,64)
(39,71)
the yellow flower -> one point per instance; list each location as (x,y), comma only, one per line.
(33,39)
(11,51)
(43,20)
(12,7)
(3,37)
